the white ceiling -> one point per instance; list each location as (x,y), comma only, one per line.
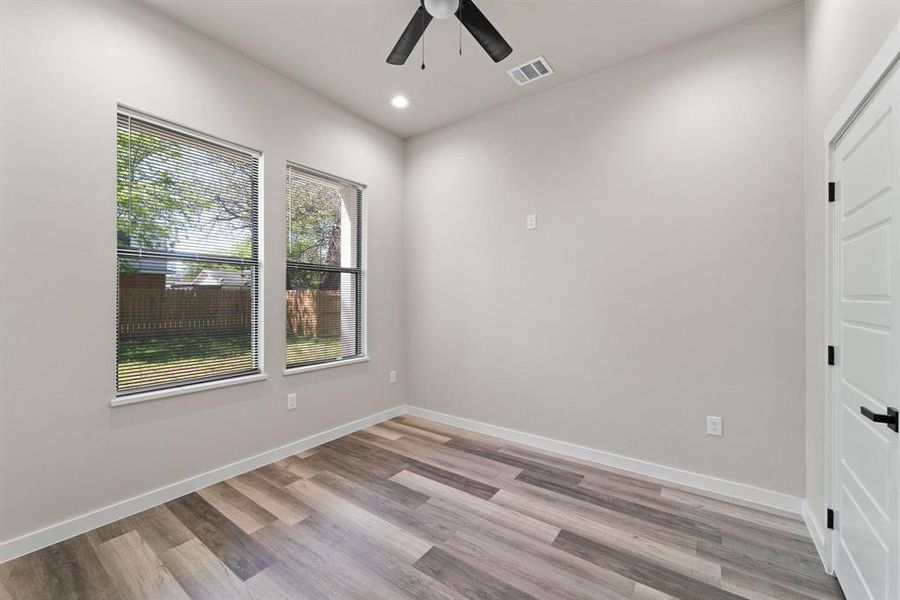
(338,48)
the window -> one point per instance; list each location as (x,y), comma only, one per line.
(188,257)
(323,218)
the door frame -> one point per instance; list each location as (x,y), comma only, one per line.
(885,59)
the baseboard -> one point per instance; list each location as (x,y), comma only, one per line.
(706,483)
(52,534)
(58,532)
(817,535)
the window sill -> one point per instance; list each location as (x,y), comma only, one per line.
(328,365)
(187,389)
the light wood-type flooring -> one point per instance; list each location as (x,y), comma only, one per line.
(415,509)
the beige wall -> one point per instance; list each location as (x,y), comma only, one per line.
(841,39)
(63,450)
(665,280)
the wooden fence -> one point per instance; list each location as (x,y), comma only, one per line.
(314,313)
(145,312)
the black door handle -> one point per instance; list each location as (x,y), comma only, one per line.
(890,418)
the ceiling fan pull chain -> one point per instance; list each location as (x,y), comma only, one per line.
(423,40)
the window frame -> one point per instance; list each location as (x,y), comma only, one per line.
(361,272)
(257,299)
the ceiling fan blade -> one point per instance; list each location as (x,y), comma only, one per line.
(410,37)
(482,30)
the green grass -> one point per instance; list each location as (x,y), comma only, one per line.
(156,360)
(306,349)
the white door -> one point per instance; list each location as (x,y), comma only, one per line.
(866,330)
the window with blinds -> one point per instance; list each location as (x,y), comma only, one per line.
(323,218)
(188,257)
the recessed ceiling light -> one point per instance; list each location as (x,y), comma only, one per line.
(399,101)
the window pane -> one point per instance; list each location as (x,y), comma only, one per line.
(178,193)
(321,316)
(184,322)
(321,219)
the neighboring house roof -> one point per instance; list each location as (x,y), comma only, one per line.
(177,281)
(222,278)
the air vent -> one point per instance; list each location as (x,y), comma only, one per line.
(531,71)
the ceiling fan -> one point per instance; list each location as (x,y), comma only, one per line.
(467,13)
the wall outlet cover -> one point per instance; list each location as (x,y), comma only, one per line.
(714,426)
(531,222)
(292,401)
(392,377)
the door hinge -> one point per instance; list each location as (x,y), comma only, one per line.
(831,356)
(831,191)
(829,518)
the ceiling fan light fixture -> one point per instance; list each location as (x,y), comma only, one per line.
(441,9)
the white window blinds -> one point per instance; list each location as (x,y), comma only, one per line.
(188,257)
(323,220)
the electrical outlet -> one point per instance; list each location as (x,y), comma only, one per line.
(392,377)
(531,222)
(292,401)
(714,426)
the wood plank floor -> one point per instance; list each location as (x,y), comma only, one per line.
(415,509)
